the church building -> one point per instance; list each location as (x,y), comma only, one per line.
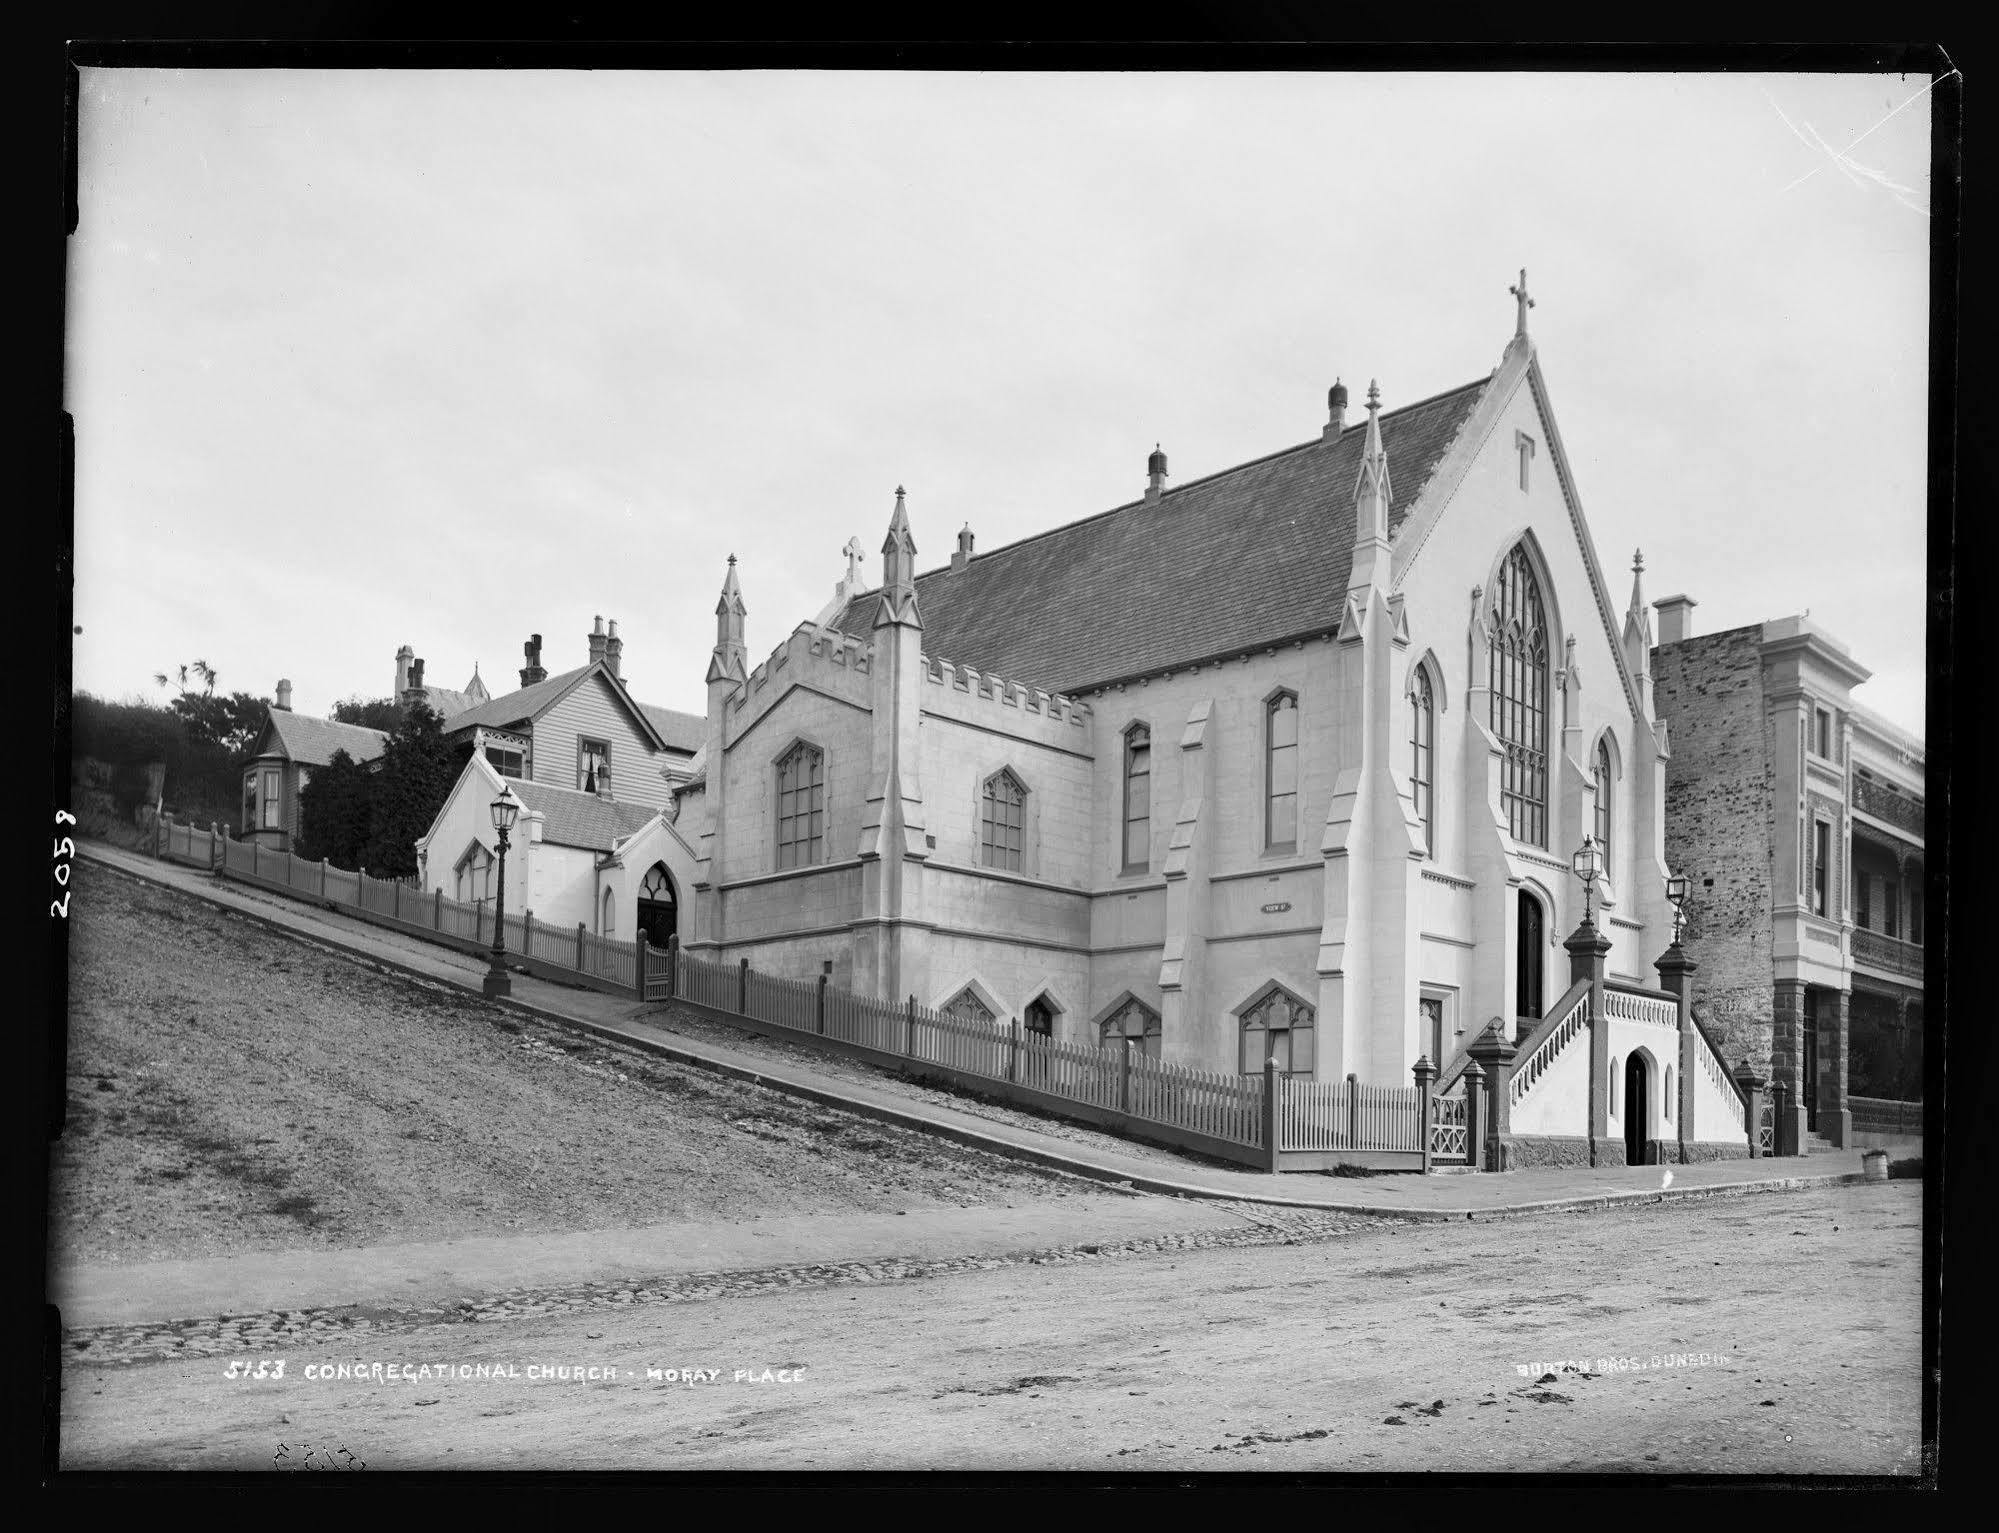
(1285,763)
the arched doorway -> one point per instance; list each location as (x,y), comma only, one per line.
(658,910)
(1637,1109)
(1530,949)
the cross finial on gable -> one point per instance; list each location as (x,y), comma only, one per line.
(1522,301)
(854,553)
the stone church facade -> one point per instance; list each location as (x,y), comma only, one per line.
(1288,762)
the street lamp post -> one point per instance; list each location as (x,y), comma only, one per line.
(1676,896)
(1587,865)
(497,983)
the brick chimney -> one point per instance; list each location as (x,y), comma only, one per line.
(533,671)
(614,651)
(1155,474)
(403,658)
(1676,618)
(597,642)
(285,696)
(963,556)
(413,692)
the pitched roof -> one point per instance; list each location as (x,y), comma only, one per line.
(682,731)
(312,742)
(1251,555)
(512,708)
(522,703)
(570,818)
(445,703)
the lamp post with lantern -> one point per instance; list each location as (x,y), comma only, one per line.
(504,810)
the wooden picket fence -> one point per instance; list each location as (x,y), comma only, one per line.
(1268,1121)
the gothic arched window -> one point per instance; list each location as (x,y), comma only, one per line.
(1279,1029)
(1135,1025)
(1137,799)
(1603,791)
(1422,756)
(1280,771)
(474,875)
(1519,677)
(1003,822)
(801,813)
(966,1006)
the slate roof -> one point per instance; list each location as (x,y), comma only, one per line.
(1248,556)
(512,707)
(683,731)
(312,742)
(570,818)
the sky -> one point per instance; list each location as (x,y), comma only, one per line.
(366,358)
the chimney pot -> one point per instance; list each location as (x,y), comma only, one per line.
(285,696)
(1336,411)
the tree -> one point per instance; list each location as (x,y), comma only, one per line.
(370,815)
(203,672)
(383,713)
(334,807)
(229,723)
(411,782)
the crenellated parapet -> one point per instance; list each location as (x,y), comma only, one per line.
(958,690)
(811,650)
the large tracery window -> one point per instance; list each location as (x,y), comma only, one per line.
(1520,698)
(1422,756)
(1003,822)
(801,814)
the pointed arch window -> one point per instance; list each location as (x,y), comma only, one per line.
(966,1006)
(801,811)
(473,877)
(1039,1018)
(1519,679)
(1003,822)
(1137,799)
(1279,1029)
(1280,772)
(1603,792)
(1135,1025)
(1423,756)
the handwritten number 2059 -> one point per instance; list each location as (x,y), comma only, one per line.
(64,849)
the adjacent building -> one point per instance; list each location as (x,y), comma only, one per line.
(596,773)
(283,757)
(1797,815)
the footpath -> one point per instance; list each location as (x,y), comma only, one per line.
(1079,1152)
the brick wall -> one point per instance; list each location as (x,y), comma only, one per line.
(1718,828)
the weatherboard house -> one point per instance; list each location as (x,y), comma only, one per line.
(1286,764)
(595,773)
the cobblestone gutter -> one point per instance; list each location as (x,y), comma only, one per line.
(163,1341)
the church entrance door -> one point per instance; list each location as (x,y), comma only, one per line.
(1528,954)
(658,911)
(1637,1107)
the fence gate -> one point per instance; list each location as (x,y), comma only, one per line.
(1448,1144)
(657,980)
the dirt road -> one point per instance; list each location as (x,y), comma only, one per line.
(1395,1349)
